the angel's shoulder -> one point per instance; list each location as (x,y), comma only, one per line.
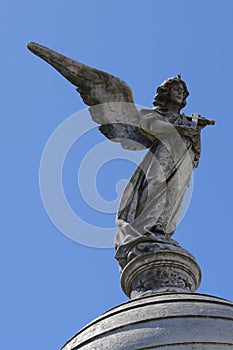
(150,113)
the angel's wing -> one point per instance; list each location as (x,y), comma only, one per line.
(110,98)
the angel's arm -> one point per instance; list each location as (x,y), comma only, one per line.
(155,127)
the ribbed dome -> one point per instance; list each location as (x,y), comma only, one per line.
(168,322)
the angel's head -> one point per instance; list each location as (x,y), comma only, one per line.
(171,90)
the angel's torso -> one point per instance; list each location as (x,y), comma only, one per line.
(161,127)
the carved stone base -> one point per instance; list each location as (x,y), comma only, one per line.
(152,266)
(172,321)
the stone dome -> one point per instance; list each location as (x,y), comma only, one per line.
(169,321)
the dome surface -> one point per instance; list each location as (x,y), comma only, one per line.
(168,321)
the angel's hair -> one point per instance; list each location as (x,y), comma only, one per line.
(162,92)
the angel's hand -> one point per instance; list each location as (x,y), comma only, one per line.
(187,131)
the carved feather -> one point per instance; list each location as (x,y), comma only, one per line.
(110,98)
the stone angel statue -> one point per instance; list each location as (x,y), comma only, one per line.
(152,200)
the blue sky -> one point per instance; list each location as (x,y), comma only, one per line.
(52,286)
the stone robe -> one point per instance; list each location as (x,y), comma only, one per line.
(155,193)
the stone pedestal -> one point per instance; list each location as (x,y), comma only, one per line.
(160,277)
(177,321)
(153,265)
(164,312)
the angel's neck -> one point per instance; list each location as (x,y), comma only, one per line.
(173,107)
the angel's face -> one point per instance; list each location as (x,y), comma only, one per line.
(176,94)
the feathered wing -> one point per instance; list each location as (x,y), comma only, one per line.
(110,98)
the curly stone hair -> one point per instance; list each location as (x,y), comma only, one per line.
(162,91)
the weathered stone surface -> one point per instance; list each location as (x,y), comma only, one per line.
(151,263)
(156,265)
(171,321)
(152,200)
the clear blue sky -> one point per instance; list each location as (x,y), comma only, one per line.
(51,286)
